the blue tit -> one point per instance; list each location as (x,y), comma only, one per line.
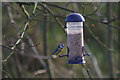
(88,54)
(57,50)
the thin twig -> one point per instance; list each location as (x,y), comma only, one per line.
(94,60)
(7,74)
(26,13)
(53,5)
(34,56)
(87,70)
(93,13)
(11,18)
(26,36)
(23,31)
(86,16)
(21,49)
(51,12)
(111,20)
(106,23)
(35,50)
(98,39)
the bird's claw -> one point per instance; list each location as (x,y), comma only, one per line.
(62,55)
(88,54)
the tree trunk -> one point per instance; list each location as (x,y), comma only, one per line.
(45,44)
(109,41)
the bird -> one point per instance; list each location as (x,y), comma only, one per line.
(58,49)
(84,54)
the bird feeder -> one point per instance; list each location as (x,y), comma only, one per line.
(75,38)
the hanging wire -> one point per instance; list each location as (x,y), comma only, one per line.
(79,3)
(66,8)
(82,8)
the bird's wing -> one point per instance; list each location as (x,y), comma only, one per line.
(55,51)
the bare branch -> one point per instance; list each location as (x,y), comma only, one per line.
(40,72)
(18,51)
(50,11)
(87,70)
(77,12)
(98,39)
(22,33)
(113,19)
(11,18)
(7,74)
(53,5)
(28,38)
(35,50)
(94,60)
(106,23)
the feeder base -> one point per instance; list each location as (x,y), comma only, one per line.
(76,60)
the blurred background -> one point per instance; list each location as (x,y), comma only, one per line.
(45,31)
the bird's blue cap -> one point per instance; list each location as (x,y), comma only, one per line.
(74,17)
(61,46)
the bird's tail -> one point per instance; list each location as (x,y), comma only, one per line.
(50,57)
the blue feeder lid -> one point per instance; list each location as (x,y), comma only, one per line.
(74,17)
